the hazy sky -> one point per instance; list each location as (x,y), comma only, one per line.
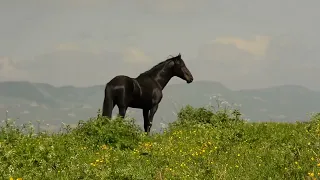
(243,44)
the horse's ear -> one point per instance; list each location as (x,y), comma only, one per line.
(179,55)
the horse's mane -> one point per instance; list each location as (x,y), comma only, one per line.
(158,66)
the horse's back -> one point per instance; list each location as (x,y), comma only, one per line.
(120,80)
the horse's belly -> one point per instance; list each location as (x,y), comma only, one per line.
(140,103)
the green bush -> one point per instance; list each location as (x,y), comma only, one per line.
(222,117)
(118,132)
(314,124)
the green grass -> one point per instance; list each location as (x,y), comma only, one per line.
(200,144)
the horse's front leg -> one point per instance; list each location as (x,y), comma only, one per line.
(146,119)
(153,110)
(122,111)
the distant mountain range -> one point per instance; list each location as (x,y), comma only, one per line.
(27,101)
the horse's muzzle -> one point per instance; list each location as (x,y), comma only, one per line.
(189,80)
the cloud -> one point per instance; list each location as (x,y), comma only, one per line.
(88,2)
(88,46)
(135,55)
(258,46)
(9,70)
(58,67)
(171,6)
(258,62)
(69,46)
(236,62)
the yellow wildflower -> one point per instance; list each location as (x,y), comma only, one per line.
(318,165)
(11,178)
(19,178)
(311,174)
(104,147)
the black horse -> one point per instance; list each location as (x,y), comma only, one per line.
(145,91)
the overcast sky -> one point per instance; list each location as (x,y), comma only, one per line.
(242,44)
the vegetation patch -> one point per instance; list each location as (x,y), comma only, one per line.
(200,144)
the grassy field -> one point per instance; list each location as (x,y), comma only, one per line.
(201,144)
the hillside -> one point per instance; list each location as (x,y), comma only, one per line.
(38,101)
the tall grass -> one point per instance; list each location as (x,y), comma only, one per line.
(201,144)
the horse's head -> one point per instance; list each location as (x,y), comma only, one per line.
(180,69)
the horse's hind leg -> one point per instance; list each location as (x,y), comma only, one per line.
(108,103)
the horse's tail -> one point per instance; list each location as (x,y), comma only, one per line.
(107,102)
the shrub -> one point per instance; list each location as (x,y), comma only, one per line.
(222,117)
(118,132)
(314,124)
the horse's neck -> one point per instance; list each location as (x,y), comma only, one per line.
(163,77)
